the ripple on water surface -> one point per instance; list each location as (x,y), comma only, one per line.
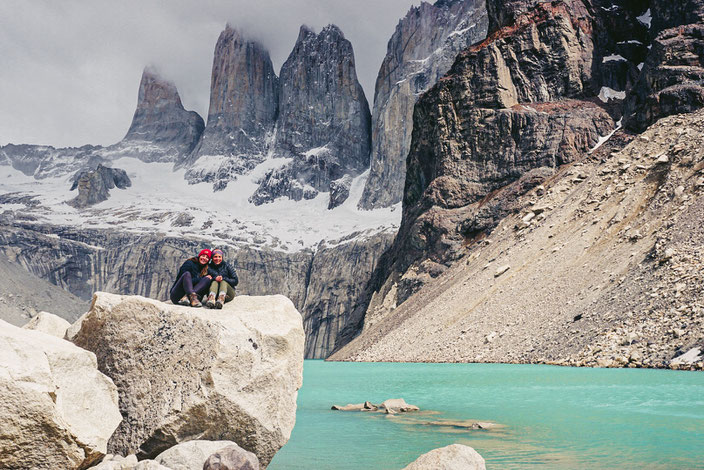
(550,417)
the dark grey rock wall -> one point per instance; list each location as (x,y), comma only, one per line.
(324,119)
(421,50)
(244,98)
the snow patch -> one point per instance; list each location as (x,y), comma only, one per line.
(604,139)
(646,18)
(613,57)
(607,94)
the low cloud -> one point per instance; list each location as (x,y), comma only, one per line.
(71,69)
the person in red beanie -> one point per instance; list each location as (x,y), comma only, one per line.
(192,279)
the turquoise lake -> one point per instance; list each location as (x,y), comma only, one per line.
(550,417)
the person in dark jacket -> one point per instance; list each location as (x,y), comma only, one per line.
(222,289)
(192,280)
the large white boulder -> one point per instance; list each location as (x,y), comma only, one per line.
(56,409)
(453,457)
(191,373)
(48,323)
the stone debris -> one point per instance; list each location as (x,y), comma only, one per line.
(390,406)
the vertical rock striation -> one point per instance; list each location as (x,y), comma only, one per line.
(324,284)
(421,50)
(161,129)
(94,185)
(244,98)
(672,80)
(324,118)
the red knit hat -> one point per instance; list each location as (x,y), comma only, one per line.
(205,252)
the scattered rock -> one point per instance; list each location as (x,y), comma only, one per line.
(390,406)
(502,270)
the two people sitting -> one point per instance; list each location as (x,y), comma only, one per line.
(202,275)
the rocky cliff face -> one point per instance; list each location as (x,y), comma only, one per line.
(672,79)
(323,284)
(324,119)
(244,98)
(161,129)
(512,110)
(599,266)
(421,51)
(94,185)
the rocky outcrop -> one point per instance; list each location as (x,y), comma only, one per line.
(244,99)
(49,324)
(672,78)
(161,129)
(185,373)
(338,277)
(232,457)
(94,185)
(200,454)
(421,50)
(604,269)
(324,119)
(449,458)
(57,410)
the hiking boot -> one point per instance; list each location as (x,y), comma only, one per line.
(221,300)
(184,301)
(194,300)
(210,302)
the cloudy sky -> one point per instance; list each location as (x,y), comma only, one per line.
(70,69)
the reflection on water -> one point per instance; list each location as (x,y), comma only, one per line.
(542,417)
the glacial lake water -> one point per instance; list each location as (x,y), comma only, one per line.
(551,417)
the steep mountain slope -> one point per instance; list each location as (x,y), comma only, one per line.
(421,50)
(600,265)
(323,123)
(543,90)
(244,99)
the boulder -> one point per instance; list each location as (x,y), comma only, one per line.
(56,409)
(185,373)
(453,457)
(118,462)
(48,323)
(191,455)
(232,457)
(397,404)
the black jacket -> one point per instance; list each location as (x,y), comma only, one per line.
(192,267)
(223,269)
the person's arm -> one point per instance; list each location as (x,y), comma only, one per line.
(212,272)
(231,276)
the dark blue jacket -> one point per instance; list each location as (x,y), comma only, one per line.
(223,269)
(192,267)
